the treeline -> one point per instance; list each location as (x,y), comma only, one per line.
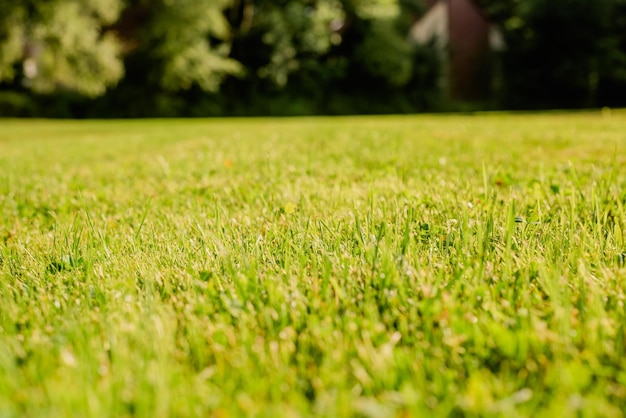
(561,53)
(136,58)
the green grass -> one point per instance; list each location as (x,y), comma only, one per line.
(367,267)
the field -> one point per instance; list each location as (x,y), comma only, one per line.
(369,267)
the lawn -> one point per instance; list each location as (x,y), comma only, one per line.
(368,267)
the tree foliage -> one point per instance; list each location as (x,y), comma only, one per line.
(177,57)
(330,51)
(186,43)
(561,53)
(60,44)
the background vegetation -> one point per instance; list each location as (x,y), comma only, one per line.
(130,58)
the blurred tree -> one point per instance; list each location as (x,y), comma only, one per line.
(59,44)
(322,50)
(176,53)
(612,62)
(561,53)
(181,43)
(384,54)
(283,37)
(202,57)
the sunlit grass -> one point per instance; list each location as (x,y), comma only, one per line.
(393,266)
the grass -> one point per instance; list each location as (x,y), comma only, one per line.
(368,267)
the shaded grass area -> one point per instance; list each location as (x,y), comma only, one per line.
(392,266)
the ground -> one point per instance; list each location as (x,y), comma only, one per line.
(375,267)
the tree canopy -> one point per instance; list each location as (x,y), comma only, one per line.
(177,57)
(59,44)
(562,53)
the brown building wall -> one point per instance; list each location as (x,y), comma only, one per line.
(469,51)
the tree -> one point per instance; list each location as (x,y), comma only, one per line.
(182,57)
(325,51)
(183,43)
(283,38)
(561,53)
(60,45)
(612,64)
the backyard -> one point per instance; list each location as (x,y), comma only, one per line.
(435,265)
